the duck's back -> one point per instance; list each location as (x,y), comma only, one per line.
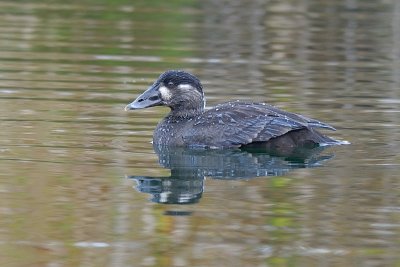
(236,124)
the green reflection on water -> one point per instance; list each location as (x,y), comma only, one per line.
(66,149)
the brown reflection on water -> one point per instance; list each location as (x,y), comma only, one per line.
(68,69)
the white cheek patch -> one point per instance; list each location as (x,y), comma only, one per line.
(165,93)
(185,87)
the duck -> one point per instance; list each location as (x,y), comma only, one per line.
(234,124)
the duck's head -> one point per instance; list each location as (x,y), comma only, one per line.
(178,90)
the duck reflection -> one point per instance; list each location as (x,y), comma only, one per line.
(189,167)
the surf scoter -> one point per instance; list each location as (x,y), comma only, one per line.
(232,124)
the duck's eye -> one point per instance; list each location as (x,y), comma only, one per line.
(170,84)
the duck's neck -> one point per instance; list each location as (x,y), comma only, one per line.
(185,113)
(187,105)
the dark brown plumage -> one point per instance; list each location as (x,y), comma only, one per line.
(232,124)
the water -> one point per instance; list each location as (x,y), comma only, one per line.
(80,183)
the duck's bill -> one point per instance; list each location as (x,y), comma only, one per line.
(150,98)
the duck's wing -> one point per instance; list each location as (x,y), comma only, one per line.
(238,123)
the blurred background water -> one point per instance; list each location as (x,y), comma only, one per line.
(80,183)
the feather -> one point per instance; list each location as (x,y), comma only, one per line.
(239,123)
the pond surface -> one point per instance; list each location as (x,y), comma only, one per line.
(80,182)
